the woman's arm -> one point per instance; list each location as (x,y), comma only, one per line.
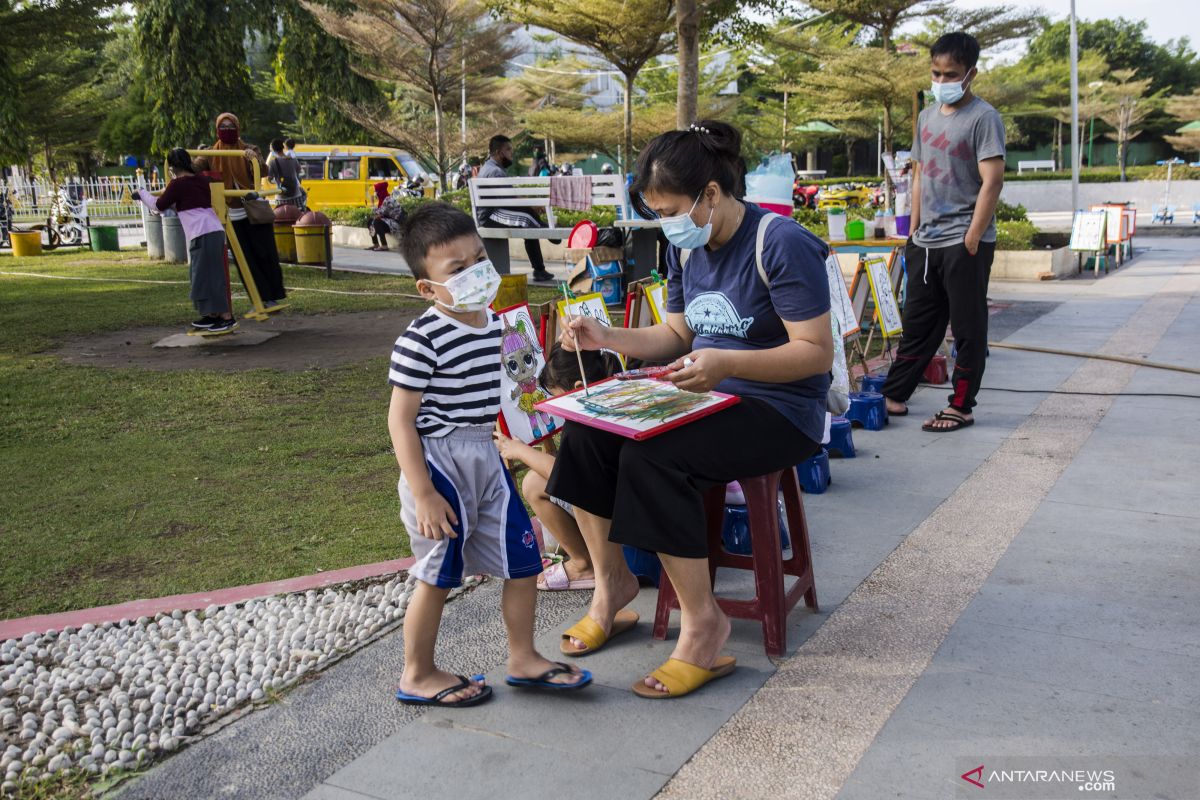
(663,342)
(808,352)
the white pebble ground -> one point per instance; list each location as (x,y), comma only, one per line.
(118,695)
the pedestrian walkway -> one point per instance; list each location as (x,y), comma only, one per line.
(1020,589)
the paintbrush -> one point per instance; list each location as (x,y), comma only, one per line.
(578,354)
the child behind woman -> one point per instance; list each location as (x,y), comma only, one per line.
(190,196)
(560,375)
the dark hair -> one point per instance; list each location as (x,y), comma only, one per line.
(562,367)
(430,225)
(684,162)
(289,143)
(179,160)
(496,142)
(277,145)
(959,46)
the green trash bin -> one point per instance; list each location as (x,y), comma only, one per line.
(104,238)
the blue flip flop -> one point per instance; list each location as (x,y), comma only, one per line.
(544,681)
(439,699)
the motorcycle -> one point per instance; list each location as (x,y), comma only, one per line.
(805,196)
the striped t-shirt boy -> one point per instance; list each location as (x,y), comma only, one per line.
(456,367)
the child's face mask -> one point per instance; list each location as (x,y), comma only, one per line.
(472,289)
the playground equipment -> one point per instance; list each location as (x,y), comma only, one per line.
(219,196)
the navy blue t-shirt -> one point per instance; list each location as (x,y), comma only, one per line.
(728,307)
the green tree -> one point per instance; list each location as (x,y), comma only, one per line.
(53,54)
(314,70)
(626,33)
(1185,108)
(1125,107)
(426,48)
(1123,44)
(193,56)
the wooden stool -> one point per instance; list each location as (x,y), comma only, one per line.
(771,604)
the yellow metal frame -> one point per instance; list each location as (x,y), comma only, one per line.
(219,195)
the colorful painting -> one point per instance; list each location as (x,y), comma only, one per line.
(656,298)
(589,305)
(638,408)
(519,389)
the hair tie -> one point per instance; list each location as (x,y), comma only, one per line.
(694,128)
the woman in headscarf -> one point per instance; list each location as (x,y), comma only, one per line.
(388,216)
(257,241)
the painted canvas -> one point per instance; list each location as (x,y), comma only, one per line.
(636,409)
(656,295)
(519,390)
(589,305)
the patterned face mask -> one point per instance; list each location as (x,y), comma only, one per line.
(473,288)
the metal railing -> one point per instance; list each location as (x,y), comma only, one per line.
(106,198)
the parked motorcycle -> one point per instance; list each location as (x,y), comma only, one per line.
(805,196)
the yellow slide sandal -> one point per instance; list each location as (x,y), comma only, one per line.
(588,631)
(680,678)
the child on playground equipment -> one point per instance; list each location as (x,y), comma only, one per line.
(457,499)
(189,194)
(560,375)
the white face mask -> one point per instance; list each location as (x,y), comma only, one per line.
(472,289)
(949,93)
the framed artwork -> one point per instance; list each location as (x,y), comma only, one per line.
(520,392)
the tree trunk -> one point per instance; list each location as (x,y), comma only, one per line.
(627,155)
(441,137)
(1121,145)
(687,16)
(1058,151)
(783,148)
(849,157)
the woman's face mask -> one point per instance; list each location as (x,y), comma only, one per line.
(684,233)
(472,289)
(227,135)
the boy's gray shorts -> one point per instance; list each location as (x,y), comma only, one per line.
(495,536)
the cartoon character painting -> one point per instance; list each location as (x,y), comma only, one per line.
(522,359)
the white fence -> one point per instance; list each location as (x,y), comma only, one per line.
(106,198)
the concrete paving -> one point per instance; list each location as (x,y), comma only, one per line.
(1020,589)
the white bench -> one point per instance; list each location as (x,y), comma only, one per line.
(1034,166)
(531,193)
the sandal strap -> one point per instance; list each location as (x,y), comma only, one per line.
(680,677)
(588,631)
(559,669)
(444,693)
(555,577)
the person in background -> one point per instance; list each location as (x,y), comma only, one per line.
(607,169)
(958,171)
(188,193)
(284,172)
(388,217)
(540,167)
(257,241)
(289,147)
(560,375)
(499,160)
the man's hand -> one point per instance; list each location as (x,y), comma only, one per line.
(701,370)
(971,242)
(435,518)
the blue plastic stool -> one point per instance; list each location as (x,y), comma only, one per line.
(643,564)
(874,383)
(841,438)
(867,410)
(814,473)
(735,536)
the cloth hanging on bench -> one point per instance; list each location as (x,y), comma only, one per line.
(572,192)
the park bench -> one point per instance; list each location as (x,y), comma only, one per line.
(518,193)
(1034,166)
(1164,215)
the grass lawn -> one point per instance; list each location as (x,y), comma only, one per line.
(128,483)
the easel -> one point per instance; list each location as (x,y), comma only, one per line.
(219,196)
(860,294)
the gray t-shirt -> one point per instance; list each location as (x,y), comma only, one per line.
(490,169)
(284,173)
(950,147)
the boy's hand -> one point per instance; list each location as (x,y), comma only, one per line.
(510,449)
(435,518)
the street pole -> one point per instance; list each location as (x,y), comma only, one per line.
(1074,113)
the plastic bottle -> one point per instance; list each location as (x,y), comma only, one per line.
(837,224)
(879,230)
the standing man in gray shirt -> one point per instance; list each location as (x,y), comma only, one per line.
(500,158)
(958,170)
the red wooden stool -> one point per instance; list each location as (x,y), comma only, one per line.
(771,604)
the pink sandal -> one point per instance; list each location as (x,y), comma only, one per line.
(555,579)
